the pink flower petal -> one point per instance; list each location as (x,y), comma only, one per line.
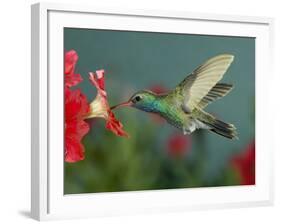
(115,126)
(101,103)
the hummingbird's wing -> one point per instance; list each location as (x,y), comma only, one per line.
(197,85)
(217,92)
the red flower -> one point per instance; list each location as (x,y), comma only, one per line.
(178,145)
(70,60)
(100,107)
(76,108)
(244,163)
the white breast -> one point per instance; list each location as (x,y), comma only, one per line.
(193,125)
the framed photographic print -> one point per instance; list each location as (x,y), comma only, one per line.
(148,111)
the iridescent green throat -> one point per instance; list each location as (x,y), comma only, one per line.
(153,104)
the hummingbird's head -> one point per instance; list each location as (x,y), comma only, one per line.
(142,100)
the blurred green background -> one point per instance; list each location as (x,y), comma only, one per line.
(158,156)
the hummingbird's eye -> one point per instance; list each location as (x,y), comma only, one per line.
(137,98)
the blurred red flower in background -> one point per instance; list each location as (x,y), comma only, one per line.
(244,163)
(158,88)
(100,107)
(178,145)
(76,107)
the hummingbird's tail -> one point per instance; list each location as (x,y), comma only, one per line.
(217,126)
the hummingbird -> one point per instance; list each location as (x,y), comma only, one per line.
(183,107)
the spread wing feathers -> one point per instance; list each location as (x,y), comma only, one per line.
(197,85)
(217,92)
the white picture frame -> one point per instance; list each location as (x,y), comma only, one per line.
(48,201)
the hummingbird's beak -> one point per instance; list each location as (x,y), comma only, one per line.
(128,103)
